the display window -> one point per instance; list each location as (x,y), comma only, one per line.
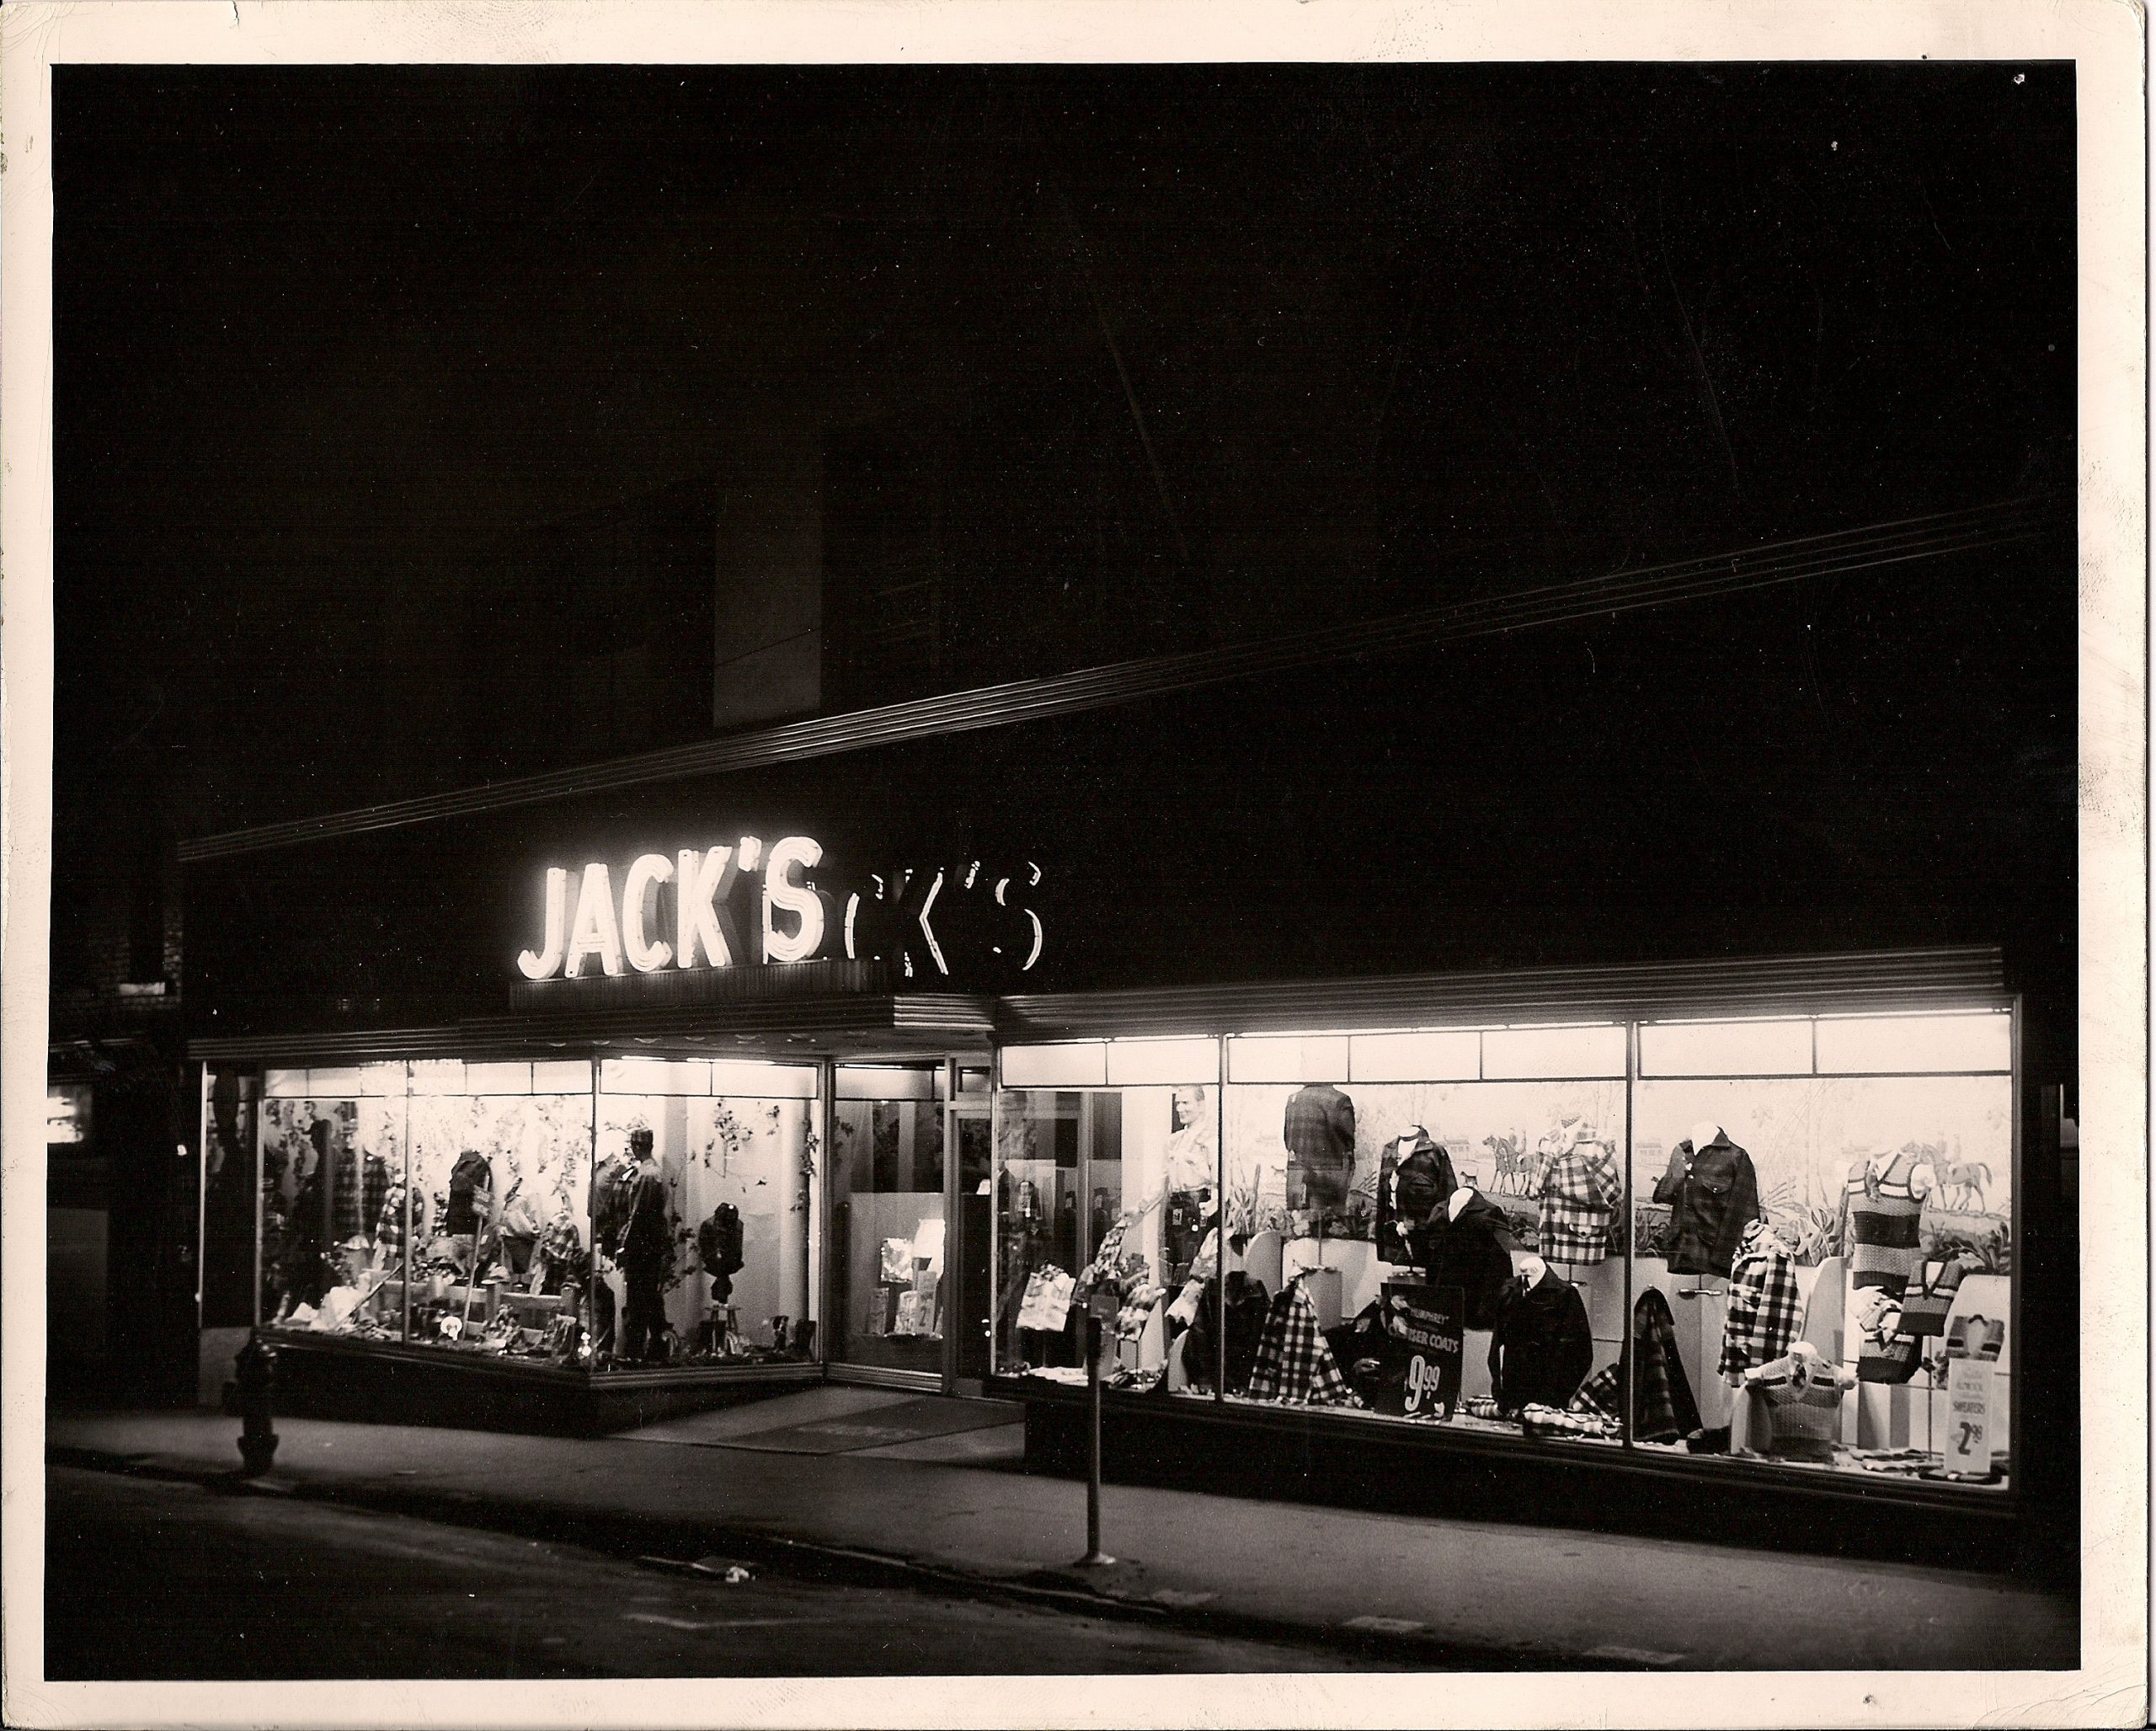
(892,1253)
(1786,1242)
(1432,1221)
(1108,1200)
(332,1145)
(702,1201)
(458,1207)
(1825,1242)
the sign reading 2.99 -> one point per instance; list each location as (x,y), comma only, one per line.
(744,903)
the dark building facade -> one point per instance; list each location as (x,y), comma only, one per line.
(830,746)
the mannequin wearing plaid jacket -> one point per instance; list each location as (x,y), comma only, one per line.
(1581,1186)
(1765,1302)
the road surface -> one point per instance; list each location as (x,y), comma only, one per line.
(152,1580)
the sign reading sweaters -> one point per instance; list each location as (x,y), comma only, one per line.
(745,903)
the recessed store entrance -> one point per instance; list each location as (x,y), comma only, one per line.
(906,1271)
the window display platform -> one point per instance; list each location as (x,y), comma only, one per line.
(1493,1472)
(324,1376)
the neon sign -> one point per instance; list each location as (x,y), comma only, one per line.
(747,904)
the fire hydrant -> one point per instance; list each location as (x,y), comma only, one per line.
(254,1377)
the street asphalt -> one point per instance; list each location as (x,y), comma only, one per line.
(158,1579)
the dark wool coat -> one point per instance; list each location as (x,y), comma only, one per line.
(1469,1254)
(1713,1195)
(1421,1172)
(1542,1347)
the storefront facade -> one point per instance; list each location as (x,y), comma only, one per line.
(1383,1130)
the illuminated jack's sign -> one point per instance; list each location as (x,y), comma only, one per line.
(749,904)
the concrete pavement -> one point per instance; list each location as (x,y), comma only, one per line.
(1455,1593)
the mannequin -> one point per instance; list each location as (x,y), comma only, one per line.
(644,1246)
(1416,1180)
(1469,1252)
(1541,1347)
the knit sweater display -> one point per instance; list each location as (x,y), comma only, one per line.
(1882,1205)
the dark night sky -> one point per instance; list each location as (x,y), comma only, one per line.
(1392,330)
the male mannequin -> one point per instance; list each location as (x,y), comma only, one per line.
(644,1245)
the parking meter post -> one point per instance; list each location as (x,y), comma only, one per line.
(1094,1557)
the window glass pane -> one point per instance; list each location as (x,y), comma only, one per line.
(1446,1054)
(500,1227)
(1524,1054)
(1137,1062)
(445,1075)
(1858,1224)
(1726,1049)
(703,1209)
(231,1102)
(890,1081)
(1287,1057)
(331,1262)
(1452,1250)
(498,1078)
(762,1081)
(1875,1043)
(1112,1191)
(891,1259)
(1076,1063)
(653,1076)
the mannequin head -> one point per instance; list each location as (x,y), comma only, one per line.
(1457,1201)
(1529,1267)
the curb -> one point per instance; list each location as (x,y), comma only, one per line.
(648,1540)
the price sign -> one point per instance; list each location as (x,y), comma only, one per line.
(1424,1322)
(1968,1418)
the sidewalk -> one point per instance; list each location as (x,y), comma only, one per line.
(1461,1594)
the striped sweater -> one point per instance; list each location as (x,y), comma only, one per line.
(1881,1202)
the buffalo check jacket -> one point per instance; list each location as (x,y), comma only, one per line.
(1764,1302)
(1580,1187)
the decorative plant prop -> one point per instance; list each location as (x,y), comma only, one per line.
(810,1148)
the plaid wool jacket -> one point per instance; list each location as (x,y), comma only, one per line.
(1294,1363)
(1764,1302)
(1580,1187)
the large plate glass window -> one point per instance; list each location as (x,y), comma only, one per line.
(331,1152)
(702,1198)
(892,1255)
(1825,1244)
(1426,1225)
(1107,1191)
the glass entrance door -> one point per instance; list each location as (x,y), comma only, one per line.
(891,1254)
